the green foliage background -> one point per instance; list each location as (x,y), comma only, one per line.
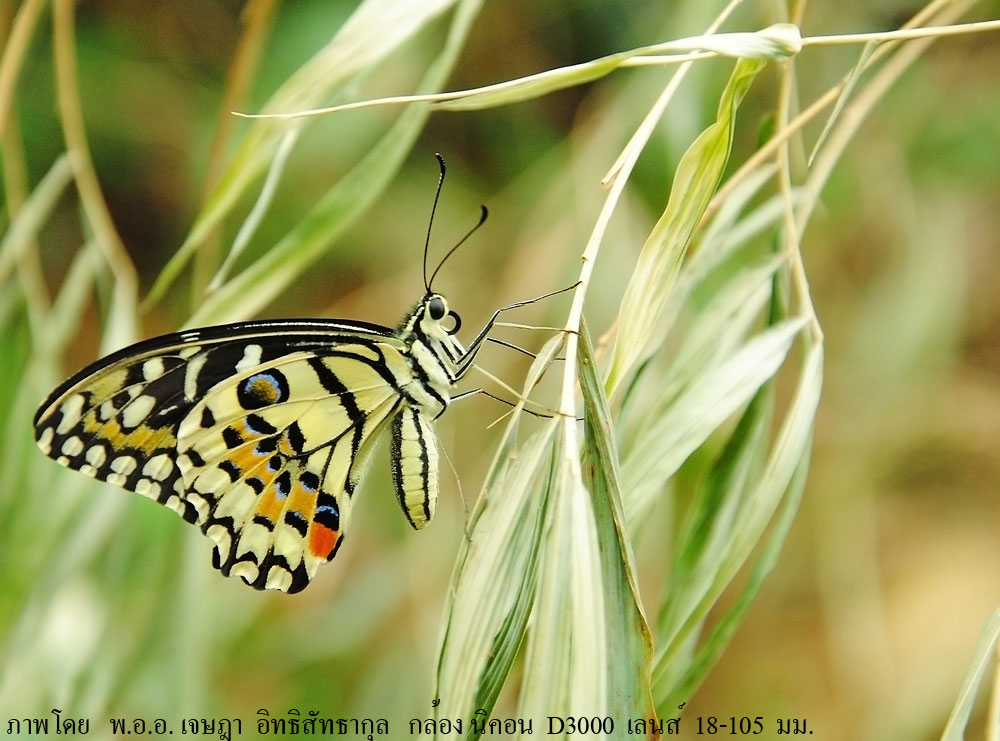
(870,617)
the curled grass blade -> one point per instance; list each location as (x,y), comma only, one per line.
(779,41)
(697,177)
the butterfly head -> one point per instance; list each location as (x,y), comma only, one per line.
(434,326)
(437,321)
(431,321)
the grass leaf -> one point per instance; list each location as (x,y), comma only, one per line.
(567,662)
(737,507)
(983,657)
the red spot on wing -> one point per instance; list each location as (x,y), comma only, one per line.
(322,541)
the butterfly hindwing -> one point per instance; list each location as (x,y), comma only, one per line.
(271,458)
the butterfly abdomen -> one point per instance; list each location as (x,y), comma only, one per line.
(415,465)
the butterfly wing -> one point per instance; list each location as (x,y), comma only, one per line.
(256,432)
(271,459)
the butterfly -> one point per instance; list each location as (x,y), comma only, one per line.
(259,432)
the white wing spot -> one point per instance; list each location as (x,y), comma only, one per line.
(153,369)
(124,464)
(191,375)
(221,537)
(200,504)
(106,411)
(184,463)
(72,411)
(45,441)
(137,410)
(96,456)
(278,578)
(237,503)
(148,488)
(72,446)
(213,480)
(251,358)
(288,543)
(254,539)
(245,569)
(158,467)
(176,505)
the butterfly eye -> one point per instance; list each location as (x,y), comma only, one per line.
(458,322)
(436,308)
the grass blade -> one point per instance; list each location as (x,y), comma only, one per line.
(567,663)
(342,205)
(669,438)
(373,32)
(983,657)
(752,500)
(629,641)
(493,585)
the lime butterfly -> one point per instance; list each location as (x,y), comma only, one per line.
(259,432)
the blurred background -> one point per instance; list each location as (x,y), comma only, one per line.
(108,604)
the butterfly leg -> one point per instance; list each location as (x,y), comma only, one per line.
(466,361)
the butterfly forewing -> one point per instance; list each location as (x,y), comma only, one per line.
(259,432)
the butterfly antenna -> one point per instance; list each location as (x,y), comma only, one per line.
(427,241)
(484,213)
